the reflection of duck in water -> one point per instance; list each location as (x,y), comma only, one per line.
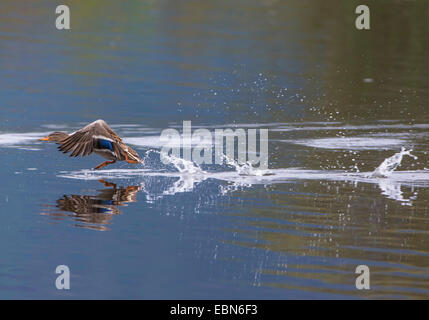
(94,211)
(96,137)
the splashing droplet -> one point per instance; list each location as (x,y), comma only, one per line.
(385,169)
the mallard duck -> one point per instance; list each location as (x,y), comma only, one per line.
(96,137)
(94,212)
(107,201)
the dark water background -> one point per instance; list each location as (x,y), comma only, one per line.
(299,68)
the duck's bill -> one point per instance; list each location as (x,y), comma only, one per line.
(45,139)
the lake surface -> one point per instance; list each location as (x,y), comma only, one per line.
(337,102)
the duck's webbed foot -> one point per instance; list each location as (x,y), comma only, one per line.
(130,160)
(105,163)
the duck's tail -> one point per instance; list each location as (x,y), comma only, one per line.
(55,136)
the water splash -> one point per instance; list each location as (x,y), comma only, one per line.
(246,169)
(234,186)
(187,175)
(385,169)
(190,174)
(392,190)
(182,165)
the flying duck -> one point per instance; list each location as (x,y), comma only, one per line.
(96,137)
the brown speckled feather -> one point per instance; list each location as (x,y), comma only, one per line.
(81,143)
(97,137)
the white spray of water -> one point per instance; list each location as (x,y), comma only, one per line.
(189,167)
(182,165)
(245,175)
(190,174)
(385,169)
(392,190)
(245,169)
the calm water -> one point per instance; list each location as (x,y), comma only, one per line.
(336,101)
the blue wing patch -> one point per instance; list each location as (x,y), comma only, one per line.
(105,144)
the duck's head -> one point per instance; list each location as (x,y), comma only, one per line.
(131,156)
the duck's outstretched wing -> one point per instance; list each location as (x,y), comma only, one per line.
(97,135)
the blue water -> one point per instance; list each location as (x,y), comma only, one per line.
(300,70)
